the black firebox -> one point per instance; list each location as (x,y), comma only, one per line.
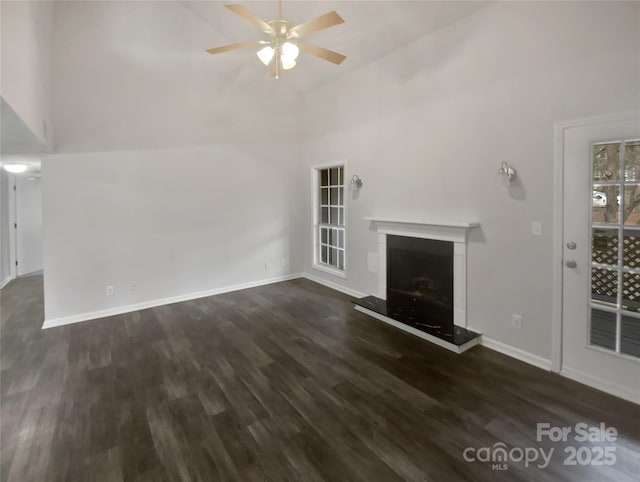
(420,281)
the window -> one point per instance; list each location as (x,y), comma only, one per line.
(615,248)
(329,216)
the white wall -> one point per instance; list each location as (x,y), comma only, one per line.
(170,172)
(168,177)
(26,28)
(173,222)
(136,75)
(428,126)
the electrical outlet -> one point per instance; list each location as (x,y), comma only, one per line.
(516,321)
(110,290)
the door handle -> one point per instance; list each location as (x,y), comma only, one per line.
(570,263)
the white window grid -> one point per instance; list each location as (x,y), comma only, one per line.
(331,232)
(626,178)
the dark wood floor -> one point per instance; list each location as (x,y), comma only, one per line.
(282,382)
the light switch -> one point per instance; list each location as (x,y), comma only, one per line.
(536,228)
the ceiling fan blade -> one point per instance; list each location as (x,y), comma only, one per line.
(250,17)
(324,54)
(319,23)
(240,45)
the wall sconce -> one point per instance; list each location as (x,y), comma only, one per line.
(508,170)
(356,183)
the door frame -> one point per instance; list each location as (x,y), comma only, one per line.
(11,230)
(558,224)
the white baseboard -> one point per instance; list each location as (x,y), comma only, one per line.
(334,286)
(517,353)
(5,282)
(535,360)
(602,384)
(67,320)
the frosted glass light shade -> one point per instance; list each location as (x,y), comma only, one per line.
(287,62)
(265,55)
(290,50)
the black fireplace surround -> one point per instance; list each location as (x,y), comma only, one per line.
(420,288)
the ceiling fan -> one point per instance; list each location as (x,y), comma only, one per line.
(281,50)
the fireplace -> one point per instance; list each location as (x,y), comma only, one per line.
(422,281)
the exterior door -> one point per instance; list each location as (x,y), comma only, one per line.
(601,255)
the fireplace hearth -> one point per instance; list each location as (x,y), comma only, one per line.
(451,334)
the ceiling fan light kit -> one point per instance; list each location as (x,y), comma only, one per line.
(265,54)
(282,50)
(288,54)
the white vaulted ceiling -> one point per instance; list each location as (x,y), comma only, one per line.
(136,74)
(371,30)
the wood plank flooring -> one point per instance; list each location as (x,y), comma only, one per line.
(281,382)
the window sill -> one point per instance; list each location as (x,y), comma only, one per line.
(334,271)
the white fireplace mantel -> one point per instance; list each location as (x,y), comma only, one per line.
(455,232)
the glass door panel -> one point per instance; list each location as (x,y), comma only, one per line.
(615,247)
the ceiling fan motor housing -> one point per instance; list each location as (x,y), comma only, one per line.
(280,28)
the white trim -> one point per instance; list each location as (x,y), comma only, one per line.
(598,119)
(517,353)
(602,384)
(382,266)
(558,247)
(328,165)
(334,286)
(460,284)
(575,375)
(67,320)
(333,271)
(558,224)
(443,231)
(13,232)
(315,221)
(6,281)
(614,354)
(93,315)
(421,334)
(447,224)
